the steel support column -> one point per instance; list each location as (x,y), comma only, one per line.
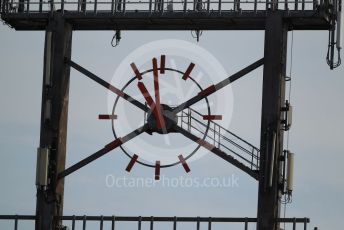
(271,144)
(58,40)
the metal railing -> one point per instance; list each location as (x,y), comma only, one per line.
(221,138)
(109,222)
(153,6)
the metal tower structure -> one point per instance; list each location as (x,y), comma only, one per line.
(60,18)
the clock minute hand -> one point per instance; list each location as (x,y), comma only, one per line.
(213,88)
(161,123)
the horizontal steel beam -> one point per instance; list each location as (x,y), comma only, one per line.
(131,20)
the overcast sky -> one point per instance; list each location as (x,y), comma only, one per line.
(316,136)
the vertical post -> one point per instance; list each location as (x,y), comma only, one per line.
(236,5)
(214,134)
(294,224)
(101,223)
(83,6)
(162,5)
(73,223)
(151,226)
(62,6)
(112,6)
(95,6)
(21,6)
(28,6)
(58,43)
(16,223)
(271,140)
(139,224)
(52,6)
(84,223)
(119,5)
(175,223)
(150,11)
(113,223)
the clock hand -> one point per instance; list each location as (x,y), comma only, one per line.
(107,85)
(161,123)
(109,147)
(151,104)
(213,88)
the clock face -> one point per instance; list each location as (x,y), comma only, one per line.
(164,137)
(164,82)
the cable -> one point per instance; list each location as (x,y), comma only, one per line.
(290,76)
(284,213)
(286,199)
(331,43)
(196,34)
(116,37)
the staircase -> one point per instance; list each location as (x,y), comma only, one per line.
(237,149)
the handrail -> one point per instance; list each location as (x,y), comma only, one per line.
(251,156)
(152,219)
(110,6)
(227,148)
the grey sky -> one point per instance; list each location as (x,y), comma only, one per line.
(316,136)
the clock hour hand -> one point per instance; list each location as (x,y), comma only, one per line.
(159,118)
(157,94)
(213,88)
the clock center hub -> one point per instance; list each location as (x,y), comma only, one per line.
(170,122)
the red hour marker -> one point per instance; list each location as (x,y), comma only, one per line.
(207,91)
(205,144)
(162,64)
(132,162)
(114,144)
(157,170)
(107,117)
(116,91)
(136,71)
(212,117)
(188,71)
(185,165)
(155,68)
